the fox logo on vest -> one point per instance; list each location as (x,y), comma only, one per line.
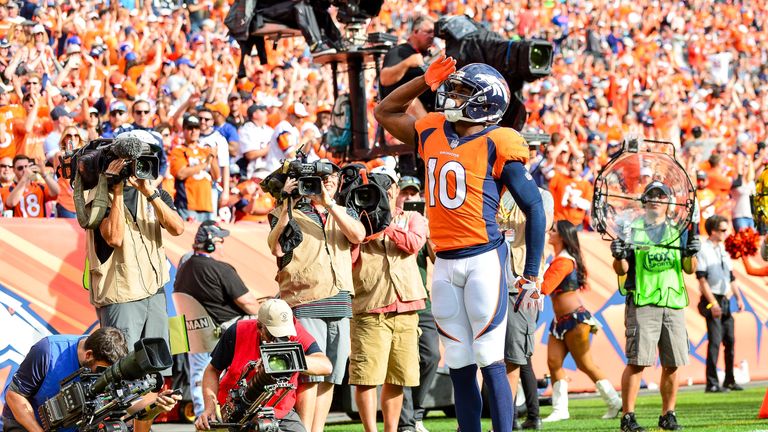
(657,260)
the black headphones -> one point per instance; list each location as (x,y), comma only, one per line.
(208,245)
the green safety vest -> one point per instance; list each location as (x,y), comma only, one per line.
(658,270)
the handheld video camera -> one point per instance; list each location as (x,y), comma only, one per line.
(98,401)
(93,159)
(310,177)
(250,405)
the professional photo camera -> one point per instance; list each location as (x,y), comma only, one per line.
(250,406)
(309,175)
(517,61)
(93,159)
(98,400)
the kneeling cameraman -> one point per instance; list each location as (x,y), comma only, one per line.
(54,358)
(236,349)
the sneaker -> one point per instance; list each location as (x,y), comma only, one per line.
(420,426)
(629,424)
(532,424)
(733,387)
(669,421)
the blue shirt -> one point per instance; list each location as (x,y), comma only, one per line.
(48,362)
(229,132)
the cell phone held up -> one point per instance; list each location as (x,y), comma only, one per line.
(417,206)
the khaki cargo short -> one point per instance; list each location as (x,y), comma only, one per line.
(652,327)
(385,349)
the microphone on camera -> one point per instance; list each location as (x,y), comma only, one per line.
(127,148)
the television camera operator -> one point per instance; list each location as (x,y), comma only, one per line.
(126,263)
(54,358)
(236,348)
(405,62)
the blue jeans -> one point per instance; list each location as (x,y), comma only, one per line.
(61,212)
(743,222)
(197,364)
(195,215)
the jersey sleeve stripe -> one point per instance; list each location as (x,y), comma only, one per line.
(423,136)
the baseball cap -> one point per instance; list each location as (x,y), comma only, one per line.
(324,108)
(252,109)
(60,112)
(74,48)
(209,229)
(4,43)
(409,181)
(74,40)
(219,107)
(185,61)
(657,185)
(277,317)
(38,28)
(131,56)
(701,175)
(298,109)
(388,171)
(117,106)
(191,122)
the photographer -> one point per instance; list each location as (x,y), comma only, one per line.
(236,348)
(51,360)
(385,322)
(315,278)
(127,266)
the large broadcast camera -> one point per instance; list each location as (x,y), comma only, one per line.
(517,61)
(309,175)
(93,159)
(250,406)
(85,168)
(98,400)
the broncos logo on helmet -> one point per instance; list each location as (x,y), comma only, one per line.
(476,93)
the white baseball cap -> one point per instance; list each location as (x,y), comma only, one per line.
(277,317)
(387,170)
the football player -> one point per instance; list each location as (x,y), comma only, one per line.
(469,162)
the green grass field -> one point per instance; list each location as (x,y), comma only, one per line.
(696,411)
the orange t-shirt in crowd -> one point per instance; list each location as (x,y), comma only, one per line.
(65,198)
(32,204)
(194,192)
(565,189)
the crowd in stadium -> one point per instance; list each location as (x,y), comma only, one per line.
(72,72)
(692,73)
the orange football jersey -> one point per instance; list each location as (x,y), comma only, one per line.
(463,180)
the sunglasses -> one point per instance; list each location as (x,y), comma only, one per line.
(192,128)
(21,167)
(117,113)
(6,166)
(141,112)
(72,136)
(33,82)
(206,118)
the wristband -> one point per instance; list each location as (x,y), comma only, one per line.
(153,196)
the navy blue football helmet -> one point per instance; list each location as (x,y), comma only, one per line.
(476,93)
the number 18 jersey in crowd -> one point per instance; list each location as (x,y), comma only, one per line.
(463,178)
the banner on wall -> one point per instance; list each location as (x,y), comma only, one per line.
(41,292)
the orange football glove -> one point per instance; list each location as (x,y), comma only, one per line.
(439,71)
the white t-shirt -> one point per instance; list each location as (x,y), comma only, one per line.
(253,137)
(717,263)
(276,154)
(217,141)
